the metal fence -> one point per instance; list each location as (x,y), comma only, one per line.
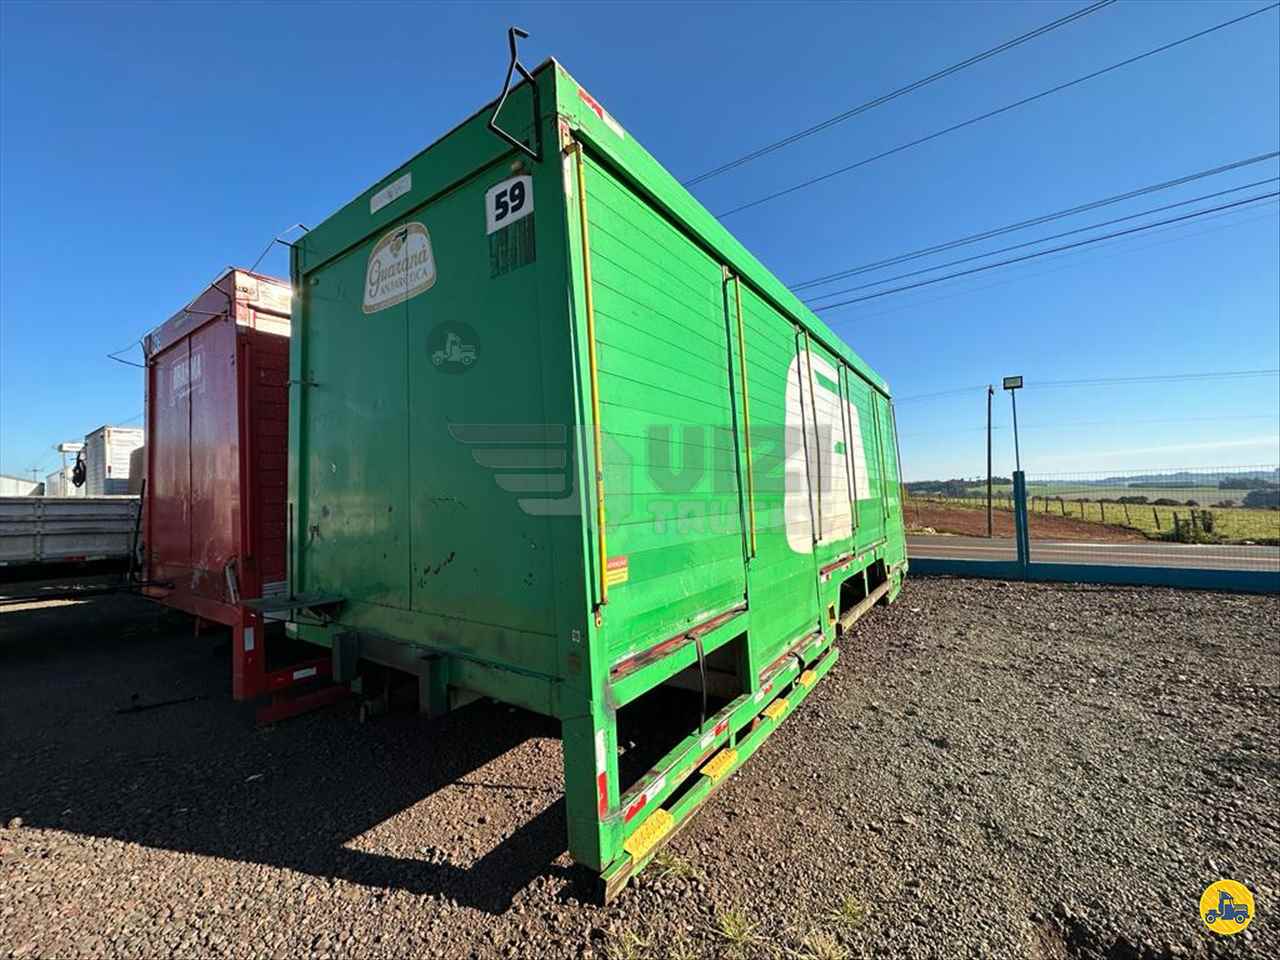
(1169,525)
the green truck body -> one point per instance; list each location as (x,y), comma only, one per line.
(558,439)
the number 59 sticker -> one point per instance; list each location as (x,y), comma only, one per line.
(507,202)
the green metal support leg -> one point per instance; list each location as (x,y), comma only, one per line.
(590,785)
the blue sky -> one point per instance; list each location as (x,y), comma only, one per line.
(144,146)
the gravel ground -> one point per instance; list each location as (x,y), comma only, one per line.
(991,770)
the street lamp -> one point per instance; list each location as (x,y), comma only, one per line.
(1013,384)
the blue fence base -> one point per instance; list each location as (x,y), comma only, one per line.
(1188,578)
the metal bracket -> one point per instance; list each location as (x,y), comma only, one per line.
(536,150)
(346,654)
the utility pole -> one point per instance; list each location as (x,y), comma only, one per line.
(990,393)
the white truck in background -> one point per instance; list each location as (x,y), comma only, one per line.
(106,459)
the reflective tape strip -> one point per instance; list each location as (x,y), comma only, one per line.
(602,775)
(709,738)
(648,834)
(642,801)
(635,808)
(719,765)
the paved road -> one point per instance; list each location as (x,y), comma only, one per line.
(1150,554)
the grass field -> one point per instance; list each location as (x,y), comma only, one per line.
(1205,496)
(1230,524)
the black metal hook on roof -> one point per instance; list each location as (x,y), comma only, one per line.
(536,150)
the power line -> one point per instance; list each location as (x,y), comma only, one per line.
(901,91)
(997,427)
(1108,381)
(1066,262)
(1035,221)
(1045,253)
(941,393)
(1031,243)
(1161,378)
(993,113)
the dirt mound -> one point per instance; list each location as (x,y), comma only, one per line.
(973,523)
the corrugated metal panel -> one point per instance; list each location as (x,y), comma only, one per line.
(664,363)
(62,529)
(269,456)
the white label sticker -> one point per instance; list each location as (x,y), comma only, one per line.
(248,639)
(392,191)
(401,266)
(507,202)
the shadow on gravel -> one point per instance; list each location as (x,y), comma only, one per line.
(198,777)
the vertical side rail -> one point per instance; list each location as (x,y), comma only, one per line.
(817,447)
(587,723)
(248,660)
(591,787)
(298,374)
(746,414)
(882,427)
(850,467)
(1020,518)
(875,429)
(597,436)
(149,457)
(804,440)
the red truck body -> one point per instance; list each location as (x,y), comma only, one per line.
(214,514)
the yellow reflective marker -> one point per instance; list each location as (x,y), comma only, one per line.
(807,678)
(719,765)
(776,709)
(648,834)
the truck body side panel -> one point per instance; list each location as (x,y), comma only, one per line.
(783,600)
(353,518)
(215,459)
(479,452)
(167,514)
(545,458)
(673,507)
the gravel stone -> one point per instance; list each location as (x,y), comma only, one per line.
(967,782)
